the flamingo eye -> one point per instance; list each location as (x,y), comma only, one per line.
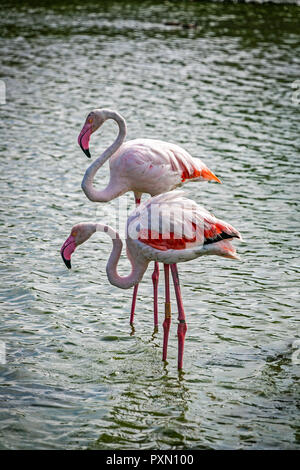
(90,121)
(74,233)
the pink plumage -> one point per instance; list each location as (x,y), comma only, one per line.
(140,165)
(153,230)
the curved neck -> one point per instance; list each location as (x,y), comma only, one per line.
(138,266)
(87,183)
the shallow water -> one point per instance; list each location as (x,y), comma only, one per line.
(75,377)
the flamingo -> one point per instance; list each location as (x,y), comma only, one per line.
(168,228)
(140,165)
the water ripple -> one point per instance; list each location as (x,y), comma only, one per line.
(76,376)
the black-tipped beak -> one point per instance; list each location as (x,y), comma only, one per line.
(66,261)
(87,152)
(68,247)
(84,137)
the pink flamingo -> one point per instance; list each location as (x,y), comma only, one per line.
(167,228)
(140,165)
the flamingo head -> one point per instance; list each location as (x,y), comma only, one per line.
(94,120)
(79,234)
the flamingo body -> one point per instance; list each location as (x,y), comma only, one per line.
(140,165)
(168,228)
(171,228)
(154,167)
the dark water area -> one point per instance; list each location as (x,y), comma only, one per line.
(221,79)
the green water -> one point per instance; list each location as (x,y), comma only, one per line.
(75,377)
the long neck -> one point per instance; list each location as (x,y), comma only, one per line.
(138,265)
(87,183)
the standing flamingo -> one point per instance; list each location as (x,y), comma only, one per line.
(167,228)
(140,165)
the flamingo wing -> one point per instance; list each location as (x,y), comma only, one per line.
(160,166)
(170,221)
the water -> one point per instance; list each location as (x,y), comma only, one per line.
(75,377)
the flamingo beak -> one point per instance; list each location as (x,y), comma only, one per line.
(208,175)
(84,138)
(67,262)
(67,249)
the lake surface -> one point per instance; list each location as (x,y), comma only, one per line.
(219,79)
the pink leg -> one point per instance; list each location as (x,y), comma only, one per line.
(155,277)
(133,303)
(181,331)
(167,321)
(137,198)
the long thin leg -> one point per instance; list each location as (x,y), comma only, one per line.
(133,304)
(167,320)
(182,327)
(155,277)
(137,198)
